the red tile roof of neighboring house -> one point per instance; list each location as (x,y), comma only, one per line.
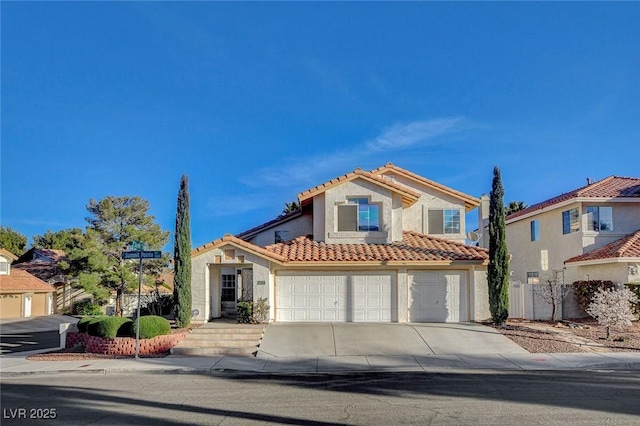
(469,201)
(21,281)
(409,196)
(625,247)
(610,187)
(414,247)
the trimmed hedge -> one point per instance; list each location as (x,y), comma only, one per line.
(86,307)
(151,326)
(110,327)
(84,323)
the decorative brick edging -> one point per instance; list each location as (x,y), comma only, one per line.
(125,345)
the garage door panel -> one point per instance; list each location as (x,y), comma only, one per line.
(438,296)
(315,296)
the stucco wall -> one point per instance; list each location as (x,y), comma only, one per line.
(297,227)
(548,253)
(480,296)
(414,217)
(364,189)
(205,278)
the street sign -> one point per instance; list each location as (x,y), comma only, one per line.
(137,245)
(142,254)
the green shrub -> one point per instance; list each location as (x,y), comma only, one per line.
(252,312)
(151,326)
(585,290)
(110,327)
(635,288)
(244,312)
(84,323)
(86,307)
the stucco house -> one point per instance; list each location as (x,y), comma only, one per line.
(44,264)
(385,245)
(22,294)
(590,233)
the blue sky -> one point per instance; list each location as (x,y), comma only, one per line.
(257,102)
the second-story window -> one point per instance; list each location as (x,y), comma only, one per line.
(599,218)
(358,214)
(570,221)
(535,230)
(444,221)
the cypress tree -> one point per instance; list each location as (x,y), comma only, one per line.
(498,270)
(182,257)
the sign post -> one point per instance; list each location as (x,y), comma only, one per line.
(138,252)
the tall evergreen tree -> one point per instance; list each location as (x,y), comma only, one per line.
(115,222)
(182,257)
(498,270)
(12,241)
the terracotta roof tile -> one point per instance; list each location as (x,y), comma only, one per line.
(610,187)
(414,247)
(21,281)
(628,246)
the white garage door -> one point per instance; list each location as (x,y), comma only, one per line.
(438,296)
(334,296)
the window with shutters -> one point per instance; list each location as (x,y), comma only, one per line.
(358,214)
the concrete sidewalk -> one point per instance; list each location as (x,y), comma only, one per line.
(18,365)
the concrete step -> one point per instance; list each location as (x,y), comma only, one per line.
(192,351)
(225,336)
(200,330)
(221,343)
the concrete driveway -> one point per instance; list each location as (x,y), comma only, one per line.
(343,339)
(30,334)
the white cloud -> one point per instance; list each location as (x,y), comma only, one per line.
(299,174)
(402,136)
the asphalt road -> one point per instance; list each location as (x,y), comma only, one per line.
(463,397)
(28,341)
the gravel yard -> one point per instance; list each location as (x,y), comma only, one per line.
(577,335)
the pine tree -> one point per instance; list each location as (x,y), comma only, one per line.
(498,270)
(182,258)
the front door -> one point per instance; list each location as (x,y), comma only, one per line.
(27,305)
(229,293)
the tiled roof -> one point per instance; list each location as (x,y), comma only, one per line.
(7,254)
(21,281)
(278,220)
(54,255)
(414,247)
(625,247)
(235,241)
(409,196)
(469,201)
(610,187)
(42,270)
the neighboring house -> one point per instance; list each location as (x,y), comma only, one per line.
(379,246)
(163,287)
(44,264)
(590,233)
(22,294)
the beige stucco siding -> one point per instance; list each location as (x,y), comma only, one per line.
(319,217)
(414,217)
(548,253)
(358,188)
(294,228)
(205,278)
